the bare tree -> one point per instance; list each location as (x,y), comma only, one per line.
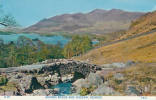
(7,20)
(3,24)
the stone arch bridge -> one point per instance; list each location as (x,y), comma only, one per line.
(46,74)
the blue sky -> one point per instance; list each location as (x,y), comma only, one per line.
(28,12)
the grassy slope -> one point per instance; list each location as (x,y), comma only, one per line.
(145,23)
(138,76)
(140,49)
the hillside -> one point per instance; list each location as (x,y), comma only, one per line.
(139,49)
(97,21)
(143,24)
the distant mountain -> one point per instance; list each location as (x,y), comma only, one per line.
(96,21)
(143,24)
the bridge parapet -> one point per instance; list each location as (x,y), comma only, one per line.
(61,66)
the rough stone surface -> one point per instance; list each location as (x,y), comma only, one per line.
(104,90)
(119,65)
(25,83)
(28,84)
(132,91)
(119,76)
(43,92)
(7,93)
(67,78)
(48,80)
(62,67)
(94,79)
(79,83)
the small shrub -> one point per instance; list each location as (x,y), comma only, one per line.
(118,81)
(86,91)
(3,80)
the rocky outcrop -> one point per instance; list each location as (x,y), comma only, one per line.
(132,91)
(119,65)
(92,80)
(104,90)
(43,92)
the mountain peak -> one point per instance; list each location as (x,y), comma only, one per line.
(116,10)
(98,11)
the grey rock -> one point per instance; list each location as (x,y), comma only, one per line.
(130,63)
(114,65)
(25,83)
(28,84)
(132,91)
(67,78)
(54,79)
(49,80)
(119,76)
(94,79)
(104,90)
(79,83)
(43,92)
(7,93)
(119,65)
(42,81)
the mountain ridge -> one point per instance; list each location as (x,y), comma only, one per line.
(96,21)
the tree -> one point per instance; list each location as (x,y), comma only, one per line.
(8,21)
(86,44)
(27,51)
(1,42)
(56,51)
(78,45)
(68,51)
(12,56)
(23,41)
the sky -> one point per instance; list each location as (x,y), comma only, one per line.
(29,12)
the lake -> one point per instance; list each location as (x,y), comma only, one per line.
(46,39)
